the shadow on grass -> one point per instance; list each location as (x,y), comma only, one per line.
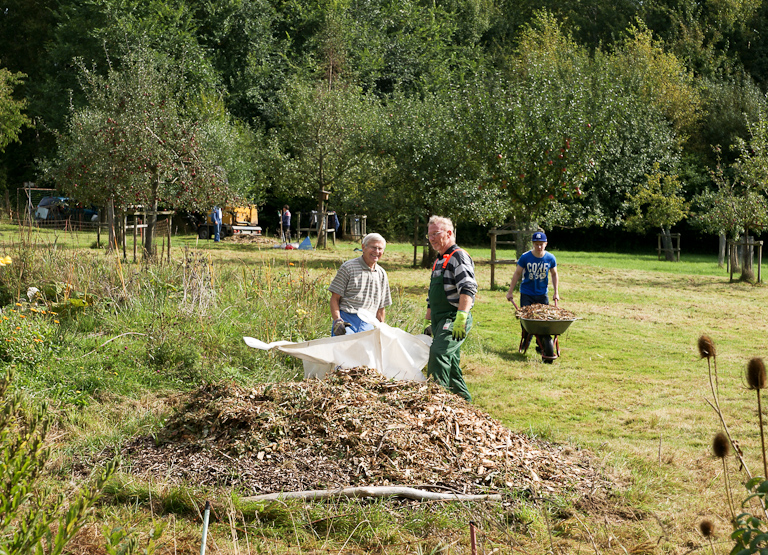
(509,354)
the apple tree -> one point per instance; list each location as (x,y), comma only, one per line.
(320,141)
(659,202)
(433,167)
(648,105)
(536,130)
(738,204)
(134,143)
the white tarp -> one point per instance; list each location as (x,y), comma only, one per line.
(397,354)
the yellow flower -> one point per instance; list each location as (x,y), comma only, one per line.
(55,321)
(18,304)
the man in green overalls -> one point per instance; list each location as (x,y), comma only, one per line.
(452,292)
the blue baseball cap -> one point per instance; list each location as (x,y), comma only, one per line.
(539,236)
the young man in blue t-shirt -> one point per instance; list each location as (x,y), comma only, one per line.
(534,268)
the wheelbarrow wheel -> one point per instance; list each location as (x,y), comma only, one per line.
(548,354)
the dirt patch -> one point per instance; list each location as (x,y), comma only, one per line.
(353,428)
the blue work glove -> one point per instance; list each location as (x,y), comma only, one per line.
(339,327)
(428,328)
(460,325)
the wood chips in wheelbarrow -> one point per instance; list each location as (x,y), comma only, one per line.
(544,312)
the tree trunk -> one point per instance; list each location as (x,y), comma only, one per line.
(666,244)
(721,250)
(747,251)
(734,256)
(523,238)
(149,232)
(111,226)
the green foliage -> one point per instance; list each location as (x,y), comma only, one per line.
(739,202)
(28,510)
(320,142)
(120,541)
(135,142)
(27,335)
(434,166)
(658,203)
(537,133)
(12,118)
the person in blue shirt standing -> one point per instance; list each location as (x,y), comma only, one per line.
(532,271)
(216,217)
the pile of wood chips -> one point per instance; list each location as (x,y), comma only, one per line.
(355,428)
(544,312)
(248,238)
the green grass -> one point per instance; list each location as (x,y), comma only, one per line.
(629,386)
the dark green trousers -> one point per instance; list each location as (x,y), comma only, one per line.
(445,356)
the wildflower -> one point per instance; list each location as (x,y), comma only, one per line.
(55,321)
(19,304)
(291,264)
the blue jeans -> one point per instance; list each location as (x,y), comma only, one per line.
(357,324)
(216,232)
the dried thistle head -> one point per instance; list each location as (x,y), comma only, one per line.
(720,445)
(706,347)
(756,374)
(707,528)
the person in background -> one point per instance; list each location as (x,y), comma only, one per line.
(533,268)
(359,284)
(216,217)
(452,290)
(285,219)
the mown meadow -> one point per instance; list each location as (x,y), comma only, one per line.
(110,345)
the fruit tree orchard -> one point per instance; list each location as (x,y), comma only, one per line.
(134,144)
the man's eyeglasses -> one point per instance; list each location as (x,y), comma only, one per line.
(435,234)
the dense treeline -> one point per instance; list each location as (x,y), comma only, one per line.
(590,113)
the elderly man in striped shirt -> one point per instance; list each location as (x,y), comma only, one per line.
(360,284)
(452,291)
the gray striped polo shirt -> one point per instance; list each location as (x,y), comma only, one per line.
(361,286)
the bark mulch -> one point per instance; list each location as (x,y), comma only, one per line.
(355,428)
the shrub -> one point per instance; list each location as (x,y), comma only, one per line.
(27,511)
(27,335)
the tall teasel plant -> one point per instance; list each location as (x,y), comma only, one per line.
(749,535)
(721,447)
(756,380)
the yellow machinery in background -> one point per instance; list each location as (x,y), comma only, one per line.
(235,220)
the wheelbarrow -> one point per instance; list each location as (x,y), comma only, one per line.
(544,331)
